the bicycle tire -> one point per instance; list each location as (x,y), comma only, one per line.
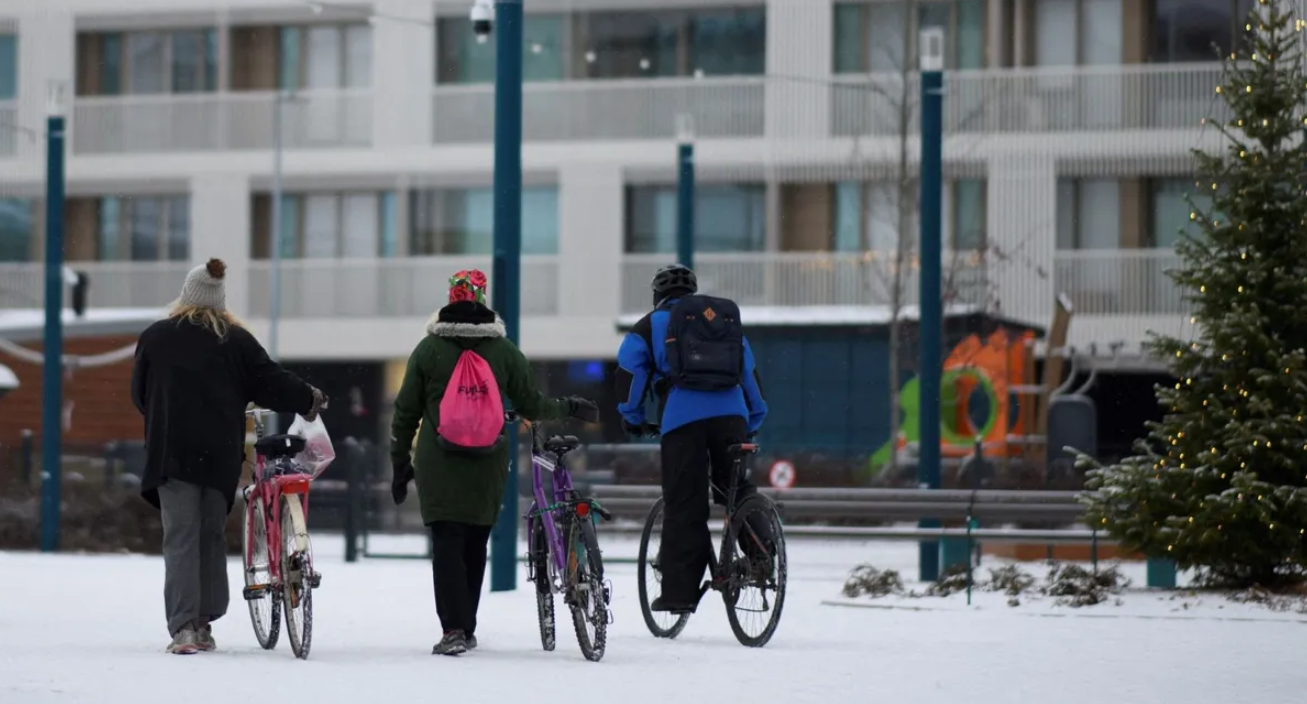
(738,526)
(265,611)
(296,587)
(643,570)
(587,579)
(544,586)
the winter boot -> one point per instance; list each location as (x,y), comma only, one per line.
(186,642)
(204,639)
(454,643)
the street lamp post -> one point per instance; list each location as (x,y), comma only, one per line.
(685,190)
(52,371)
(506,269)
(931,294)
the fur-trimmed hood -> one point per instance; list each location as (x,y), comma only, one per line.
(466,319)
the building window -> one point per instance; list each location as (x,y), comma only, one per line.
(8,66)
(964,215)
(1078,32)
(461,59)
(325,56)
(1169,217)
(144,63)
(1196,30)
(709,41)
(327,225)
(15,230)
(869,37)
(1088,213)
(461,221)
(727,218)
(156,228)
(614,44)
(967,198)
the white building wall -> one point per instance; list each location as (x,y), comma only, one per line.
(799,60)
(1022,166)
(1022,233)
(403,69)
(220,227)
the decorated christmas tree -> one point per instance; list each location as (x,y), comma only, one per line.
(1219,483)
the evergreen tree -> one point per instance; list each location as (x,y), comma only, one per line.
(1219,483)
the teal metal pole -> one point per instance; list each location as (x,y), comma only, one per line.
(685,204)
(506,273)
(52,372)
(931,360)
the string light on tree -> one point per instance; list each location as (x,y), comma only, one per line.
(1242,370)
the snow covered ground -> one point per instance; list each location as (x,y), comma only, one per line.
(89,629)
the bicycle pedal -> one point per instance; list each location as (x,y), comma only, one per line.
(315,580)
(254,592)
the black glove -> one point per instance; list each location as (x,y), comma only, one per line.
(319,402)
(582,409)
(399,484)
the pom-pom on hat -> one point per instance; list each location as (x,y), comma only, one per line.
(205,286)
(468,285)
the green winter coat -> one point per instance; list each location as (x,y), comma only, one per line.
(454,486)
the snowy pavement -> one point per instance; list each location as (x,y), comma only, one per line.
(89,629)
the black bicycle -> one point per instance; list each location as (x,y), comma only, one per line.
(746,569)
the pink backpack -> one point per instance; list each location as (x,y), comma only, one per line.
(471,411)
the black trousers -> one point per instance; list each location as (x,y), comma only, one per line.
(458,568)
(690,454)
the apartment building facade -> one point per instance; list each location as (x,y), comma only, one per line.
(1068,130)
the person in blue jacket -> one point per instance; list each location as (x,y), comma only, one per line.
(697,427)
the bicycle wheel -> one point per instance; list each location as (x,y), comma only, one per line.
(541,568)
(296,576)
(661,624)
(587,594)
(753,616)
(260,596)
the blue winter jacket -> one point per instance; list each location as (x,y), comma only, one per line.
(642,364)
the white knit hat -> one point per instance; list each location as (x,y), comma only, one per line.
(204,286)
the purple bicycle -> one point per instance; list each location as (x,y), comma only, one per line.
(563,555)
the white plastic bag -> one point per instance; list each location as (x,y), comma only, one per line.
(318,452)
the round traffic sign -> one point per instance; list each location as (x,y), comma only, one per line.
(782,475)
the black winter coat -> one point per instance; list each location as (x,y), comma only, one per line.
(193,389)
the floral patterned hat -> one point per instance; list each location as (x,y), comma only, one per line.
(469,285)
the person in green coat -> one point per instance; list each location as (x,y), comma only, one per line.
(461,491)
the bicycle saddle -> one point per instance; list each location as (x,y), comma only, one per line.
(562,444)
(273,446)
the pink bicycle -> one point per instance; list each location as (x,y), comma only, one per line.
(277,553)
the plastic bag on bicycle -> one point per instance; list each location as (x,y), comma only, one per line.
(318,452)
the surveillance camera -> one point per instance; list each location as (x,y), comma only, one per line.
(483,19)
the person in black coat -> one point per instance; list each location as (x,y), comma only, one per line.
(196,372)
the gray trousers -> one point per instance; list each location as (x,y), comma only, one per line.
(194,554)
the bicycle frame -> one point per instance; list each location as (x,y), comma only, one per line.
(269,490)
(541,508)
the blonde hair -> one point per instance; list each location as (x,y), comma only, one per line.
(216,321)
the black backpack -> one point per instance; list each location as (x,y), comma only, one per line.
(705,344)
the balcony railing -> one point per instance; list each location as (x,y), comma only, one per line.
(8,127)
(1125,282)
(220,121)
(1051,99)
(806,278)
(111,284)
(386,288)
(613,110)
(1120,281)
